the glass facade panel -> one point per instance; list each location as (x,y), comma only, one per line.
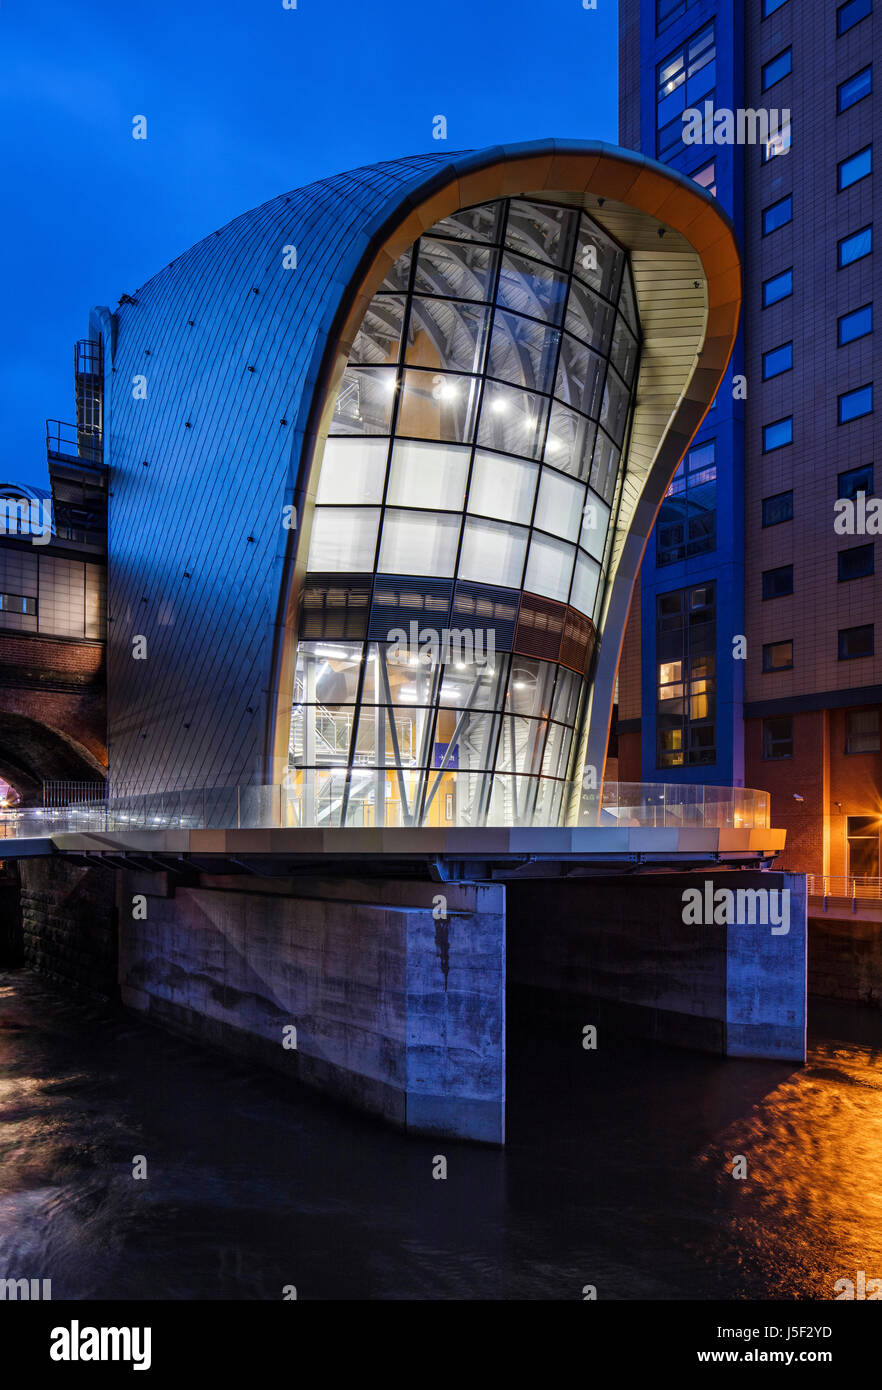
(503,487)
(549,568)
(419,543)
(353,470)
(493,552)
(446,335)
(343,539)
(463,437)
(428,475)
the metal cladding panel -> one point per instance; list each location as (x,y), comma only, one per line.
(224,338)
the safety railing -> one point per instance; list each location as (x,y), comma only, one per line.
(675,804)
(320,804)
(847,888)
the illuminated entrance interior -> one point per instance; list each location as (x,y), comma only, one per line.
(463,523)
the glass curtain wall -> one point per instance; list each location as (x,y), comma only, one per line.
(473,460)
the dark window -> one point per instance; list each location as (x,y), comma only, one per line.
(17,603)
(855,168)
(852,405)
(855,642)
(684,79)
(686,677)
(856,246)
(862,731)
(850,14)
(687,521)
(857,324)
(855,89)
(778,656)
(777,360)
(770,6)
(777,214)
(856,563)
(777,67)
(667,12)
(778,508)
(778,583)
(779,433)
(855,480)
(778,287)
(778,737)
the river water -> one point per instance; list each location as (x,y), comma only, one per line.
(616,1173)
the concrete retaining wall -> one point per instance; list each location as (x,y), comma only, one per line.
(845,956)
(68,917)
(396,1012)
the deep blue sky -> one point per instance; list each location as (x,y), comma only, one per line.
(243,101)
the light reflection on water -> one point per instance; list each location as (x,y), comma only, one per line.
(616,1171)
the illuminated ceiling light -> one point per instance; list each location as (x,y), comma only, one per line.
(499,407)
(553,445)
(449,393)
(335,654)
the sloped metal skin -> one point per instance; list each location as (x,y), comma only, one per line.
(219,380)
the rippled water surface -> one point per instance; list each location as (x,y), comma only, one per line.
(615,1174)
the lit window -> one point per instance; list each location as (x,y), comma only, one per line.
(777,68)
(778,656)
(777,360)
(17,603)
(779,433)
(857,324)
(855,168)
(777,288)
(777,215)
(683,79)
(778,142)
(707,177)
(585,583)
(854,89)
(428,475)
(852,405)
(503,487)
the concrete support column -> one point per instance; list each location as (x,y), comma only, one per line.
(395,990)
(714,960)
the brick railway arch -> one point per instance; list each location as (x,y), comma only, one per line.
(34,751)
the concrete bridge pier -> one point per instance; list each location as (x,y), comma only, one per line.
(389,994)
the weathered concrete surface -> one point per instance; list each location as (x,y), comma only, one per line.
(68,917)
(396,1012)
(845,953)
(618,953)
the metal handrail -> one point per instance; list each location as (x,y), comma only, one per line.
(851,888)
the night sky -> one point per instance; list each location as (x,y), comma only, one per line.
(243,101)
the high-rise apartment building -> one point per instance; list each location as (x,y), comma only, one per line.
(751,653)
